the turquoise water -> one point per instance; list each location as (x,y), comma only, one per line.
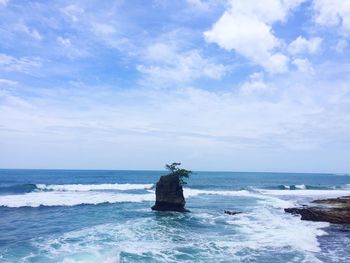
(105,216)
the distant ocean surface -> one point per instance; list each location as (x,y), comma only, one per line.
(105,216)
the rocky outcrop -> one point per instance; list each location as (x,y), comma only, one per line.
(333,210)
(169,194)
(232,213)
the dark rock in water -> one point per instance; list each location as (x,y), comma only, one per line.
(169,194)
(335,216)
(333,210)
(231,212)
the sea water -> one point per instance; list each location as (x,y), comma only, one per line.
(105,216)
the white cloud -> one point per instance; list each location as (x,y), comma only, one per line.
(73,11)
(24,64)
(198,4)
(95,26)
(276,63)
(8,82)
(32,32)
(298,119)
(204,5)
(303,65)
(341,45)
(102,28)
(3,2)
(73,50)
(165,65)
(303,45)
(246,27)
(64,41)
(255,83)
(35,34)
(238,32)
(333,13)
(268,11)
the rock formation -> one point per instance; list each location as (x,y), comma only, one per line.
(333,210)
(232,213)
(169,194)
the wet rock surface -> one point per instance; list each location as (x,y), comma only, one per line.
(169,194)
(332,210)
(232,213)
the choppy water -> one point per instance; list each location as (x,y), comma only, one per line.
(105,216)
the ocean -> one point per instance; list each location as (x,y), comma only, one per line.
(105,216)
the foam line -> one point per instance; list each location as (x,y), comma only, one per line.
(54,198)
(91,187)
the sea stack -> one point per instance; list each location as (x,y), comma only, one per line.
(169,194)
(169,191)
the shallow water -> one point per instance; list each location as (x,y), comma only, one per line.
(105,216)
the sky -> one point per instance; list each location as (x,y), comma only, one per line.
(224,85)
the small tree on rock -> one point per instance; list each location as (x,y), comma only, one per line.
(176,171)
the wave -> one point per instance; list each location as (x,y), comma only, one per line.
(267,227)
(92,187)
(290,187)
(27,188)
(342,174)
(256,234)
(189,192)
(17,188)
(302,187)
(307,193)
(53,198)
(71,195)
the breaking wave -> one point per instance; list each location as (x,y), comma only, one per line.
(80,194)
(92,187)
(249,237)
(69,195)
(306,193)
(302,187)
(53,198)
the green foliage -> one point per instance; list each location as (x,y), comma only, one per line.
(176,171)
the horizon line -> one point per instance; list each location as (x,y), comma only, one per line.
(156,170)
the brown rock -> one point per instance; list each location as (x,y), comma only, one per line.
(333,210)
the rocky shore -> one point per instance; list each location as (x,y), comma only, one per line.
(332,210)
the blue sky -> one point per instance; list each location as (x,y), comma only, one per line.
(218,84)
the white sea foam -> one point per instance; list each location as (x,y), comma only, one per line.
(266,226)
(271,200)
(55,198)
(306,193)
(136,237)
(298,186)
(188,192)
(69,195)
(259,229)
(92,187)
(59,197)
(249,237)
(273,228)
